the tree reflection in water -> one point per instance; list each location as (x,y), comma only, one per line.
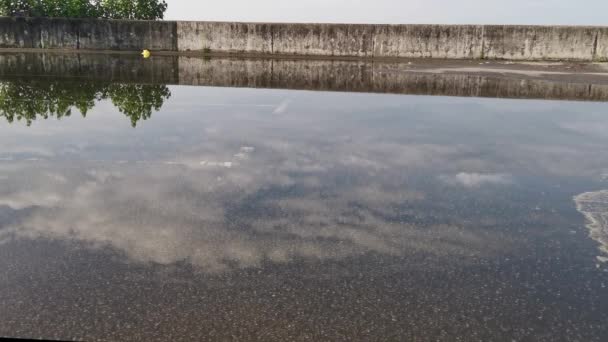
(28,100)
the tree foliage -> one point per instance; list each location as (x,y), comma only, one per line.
(29,100)
(137,101)
(106,9)
(133,9)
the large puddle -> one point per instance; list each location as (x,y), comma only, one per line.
(140,210)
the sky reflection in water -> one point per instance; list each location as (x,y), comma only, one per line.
(225,181)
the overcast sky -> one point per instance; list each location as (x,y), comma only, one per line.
(565,12)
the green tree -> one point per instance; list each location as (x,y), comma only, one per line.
(108,9)
(134,9)
(29,100)
(72,8)
(51,8)
(137,101)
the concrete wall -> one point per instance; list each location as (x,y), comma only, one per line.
(540,42)
(323,39)
(428,41)
(58,33)
(127,35)
(602,45)
(337,40)
(398,41)
(224,37)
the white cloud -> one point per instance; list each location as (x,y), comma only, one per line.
(161,212)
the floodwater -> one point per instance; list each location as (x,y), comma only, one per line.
(162,212)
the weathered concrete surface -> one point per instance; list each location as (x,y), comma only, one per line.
(40,33)
(601,53)
(540,42)
(225,37)
(428,41)
(569,43)
(323,39)
(127,35)
(578,43)
(93,34)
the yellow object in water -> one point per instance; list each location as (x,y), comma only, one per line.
(146,53)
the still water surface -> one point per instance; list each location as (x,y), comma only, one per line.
(192,213)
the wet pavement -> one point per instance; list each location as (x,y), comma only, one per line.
(172,212)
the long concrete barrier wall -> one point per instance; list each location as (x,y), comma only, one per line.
(87,34)
(582,43)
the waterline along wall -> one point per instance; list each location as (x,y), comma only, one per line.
(300,74)
(582,43)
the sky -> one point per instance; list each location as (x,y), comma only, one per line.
(555,12)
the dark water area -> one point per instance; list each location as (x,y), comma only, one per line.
(146,211)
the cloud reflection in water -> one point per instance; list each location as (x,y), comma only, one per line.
(217,218)
(240,186)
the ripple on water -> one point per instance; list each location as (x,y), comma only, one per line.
(594,205)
